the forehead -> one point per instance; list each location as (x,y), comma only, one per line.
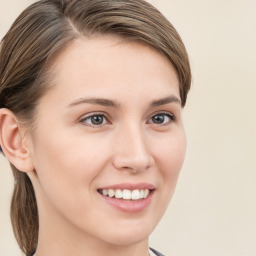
(108,64)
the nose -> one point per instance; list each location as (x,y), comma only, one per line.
(132,151)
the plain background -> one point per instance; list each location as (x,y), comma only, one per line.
(213,211)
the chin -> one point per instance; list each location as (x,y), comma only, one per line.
(125,235)
(127,239)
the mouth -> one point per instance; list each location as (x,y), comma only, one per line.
(128,197)
(126,194)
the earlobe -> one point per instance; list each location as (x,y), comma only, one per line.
(11,141)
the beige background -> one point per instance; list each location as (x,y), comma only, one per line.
(213,211)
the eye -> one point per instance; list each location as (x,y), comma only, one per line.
(162,118)
(95,120)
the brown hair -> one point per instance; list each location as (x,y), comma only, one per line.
(44,29)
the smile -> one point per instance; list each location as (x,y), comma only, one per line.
(128,197)
(125,194)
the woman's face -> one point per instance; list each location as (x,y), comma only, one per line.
(109,141)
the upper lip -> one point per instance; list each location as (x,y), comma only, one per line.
(130,186)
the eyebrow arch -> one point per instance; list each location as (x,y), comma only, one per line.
(111,103)
(96,101)
(165,100)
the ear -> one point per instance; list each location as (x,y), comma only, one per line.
(13,141)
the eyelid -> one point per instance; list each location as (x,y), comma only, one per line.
(91,114)
(108,119)
(168,113)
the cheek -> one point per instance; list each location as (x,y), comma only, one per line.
(60,168)
(65,184)
(171,150)
(171,159)
(67,163)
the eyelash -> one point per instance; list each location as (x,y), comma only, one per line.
(168,114)
(83,120)
(104,116)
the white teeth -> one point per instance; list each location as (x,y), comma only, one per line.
(126,194)
(118,193)
(146,192)
(111,192)
(135,194)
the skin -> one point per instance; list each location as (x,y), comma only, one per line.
(70,159)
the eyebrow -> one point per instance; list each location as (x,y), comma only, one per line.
(114,104)
(166,100)
(95,101)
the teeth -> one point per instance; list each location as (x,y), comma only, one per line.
(118,193)
(111,193)
(126,194)
(135,194)
(146,192)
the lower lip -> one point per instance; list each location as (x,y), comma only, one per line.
(129,205)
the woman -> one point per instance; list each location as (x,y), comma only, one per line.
(91,96)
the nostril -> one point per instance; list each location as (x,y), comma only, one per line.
(133,165)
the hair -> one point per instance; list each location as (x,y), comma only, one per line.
(28,48)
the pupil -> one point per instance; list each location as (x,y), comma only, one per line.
(97,120)
(158,119)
